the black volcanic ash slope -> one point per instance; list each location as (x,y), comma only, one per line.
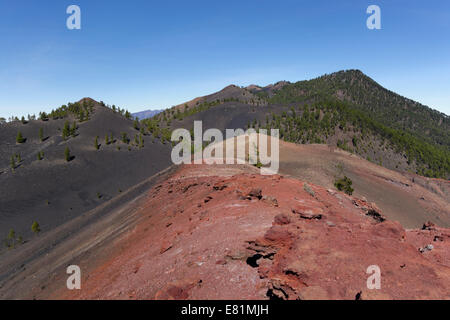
(52,191)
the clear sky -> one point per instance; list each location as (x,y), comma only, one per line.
(142,54)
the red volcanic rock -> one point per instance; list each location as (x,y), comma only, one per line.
(166,245)
(177,290)
(256,193)
(239,245)
(429,226)
(278,234)
(282,219)
(307,212)
(270,200)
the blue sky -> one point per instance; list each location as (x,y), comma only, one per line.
(152,54)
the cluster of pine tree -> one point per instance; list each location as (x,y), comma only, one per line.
(69,131)
(139,141)
(317,121)
(12,239)
(80,110)
(118,110)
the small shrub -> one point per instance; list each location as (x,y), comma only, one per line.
(11,234)
(344,184)
(125,138)
(308,189)
(20,138)
(35,227)
(10,239)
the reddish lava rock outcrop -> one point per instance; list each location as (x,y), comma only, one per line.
(226,232)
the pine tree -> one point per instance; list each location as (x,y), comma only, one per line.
(13,162)
(20,138)
(106,140)
(136,124)
(344,184)
(43,116)
(41,134)
(11,238)
(11,234)
(96,145)
(40,155)
(141,141)
(73,131)
(66,130)
(35,227)
(67,154)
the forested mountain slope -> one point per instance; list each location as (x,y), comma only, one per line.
(345,109)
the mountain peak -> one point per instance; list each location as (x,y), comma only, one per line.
(88,100)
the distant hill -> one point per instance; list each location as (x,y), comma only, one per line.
(346,109)
(52,191)
(364,94)
(357,104)
(146,114)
